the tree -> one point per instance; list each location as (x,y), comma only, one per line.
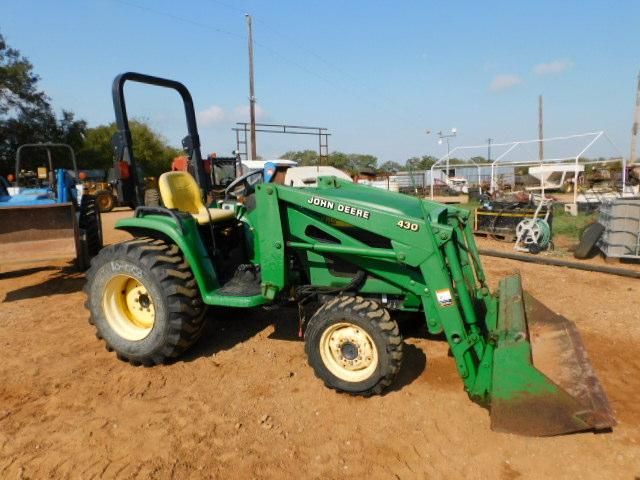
(427,161)
(339,160)
(420,163)
(458,161)
(303,157)
(358,162)
(345,161)
(26,115)
(390,167)
(412,163)
(18,82)
(34,125)
(478,159)
(150,149)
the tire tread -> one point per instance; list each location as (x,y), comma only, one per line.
(184,304)
(379,318)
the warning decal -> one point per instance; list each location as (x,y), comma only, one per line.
(444,297)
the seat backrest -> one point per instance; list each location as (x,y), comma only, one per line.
(180,190)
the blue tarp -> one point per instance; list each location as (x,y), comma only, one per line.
(30,197)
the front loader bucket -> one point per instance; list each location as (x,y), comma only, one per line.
(38,233)
(543,382)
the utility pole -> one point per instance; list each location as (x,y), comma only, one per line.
(634,130)
(252,96)
(444,136)
(540,129)
(489,149)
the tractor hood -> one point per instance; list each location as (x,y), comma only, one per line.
(371,198)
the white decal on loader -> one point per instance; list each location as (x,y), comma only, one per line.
(407,225)
(320,202)
(348,209)
(444,297)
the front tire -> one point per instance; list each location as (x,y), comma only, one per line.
(353,346)
(144,301)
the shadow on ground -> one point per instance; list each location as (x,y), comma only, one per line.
(24,272)
(64,280)
(226,328)
(414,363)
(229,327)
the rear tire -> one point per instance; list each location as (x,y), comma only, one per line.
(105,201)
(144,301)
(91,223)
(353,346)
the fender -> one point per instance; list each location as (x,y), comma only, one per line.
(188,240)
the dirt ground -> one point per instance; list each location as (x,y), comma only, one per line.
(244,404)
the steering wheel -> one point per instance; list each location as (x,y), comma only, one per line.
(244,185)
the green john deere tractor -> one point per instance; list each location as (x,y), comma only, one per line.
(362,253)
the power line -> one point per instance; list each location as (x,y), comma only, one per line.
(179,18)
(291,38)
(225,32)
(227,5)
(269,49)
(296,44)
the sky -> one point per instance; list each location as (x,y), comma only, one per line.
(377,74)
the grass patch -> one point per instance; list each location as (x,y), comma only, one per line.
(570,226)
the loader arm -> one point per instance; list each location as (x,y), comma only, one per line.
(425,251)
(422,260)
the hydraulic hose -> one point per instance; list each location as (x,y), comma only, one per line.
(623,272)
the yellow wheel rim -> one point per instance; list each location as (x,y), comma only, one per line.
(104,202)
(348,352)
(128,307)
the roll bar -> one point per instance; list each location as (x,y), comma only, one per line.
(122,143)
(46,146)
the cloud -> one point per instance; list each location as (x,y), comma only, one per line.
(504,82)
(489,65)
(211,116)
(241,113)
(216,115)
(550,68)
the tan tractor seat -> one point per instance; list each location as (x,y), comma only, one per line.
(179,190)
